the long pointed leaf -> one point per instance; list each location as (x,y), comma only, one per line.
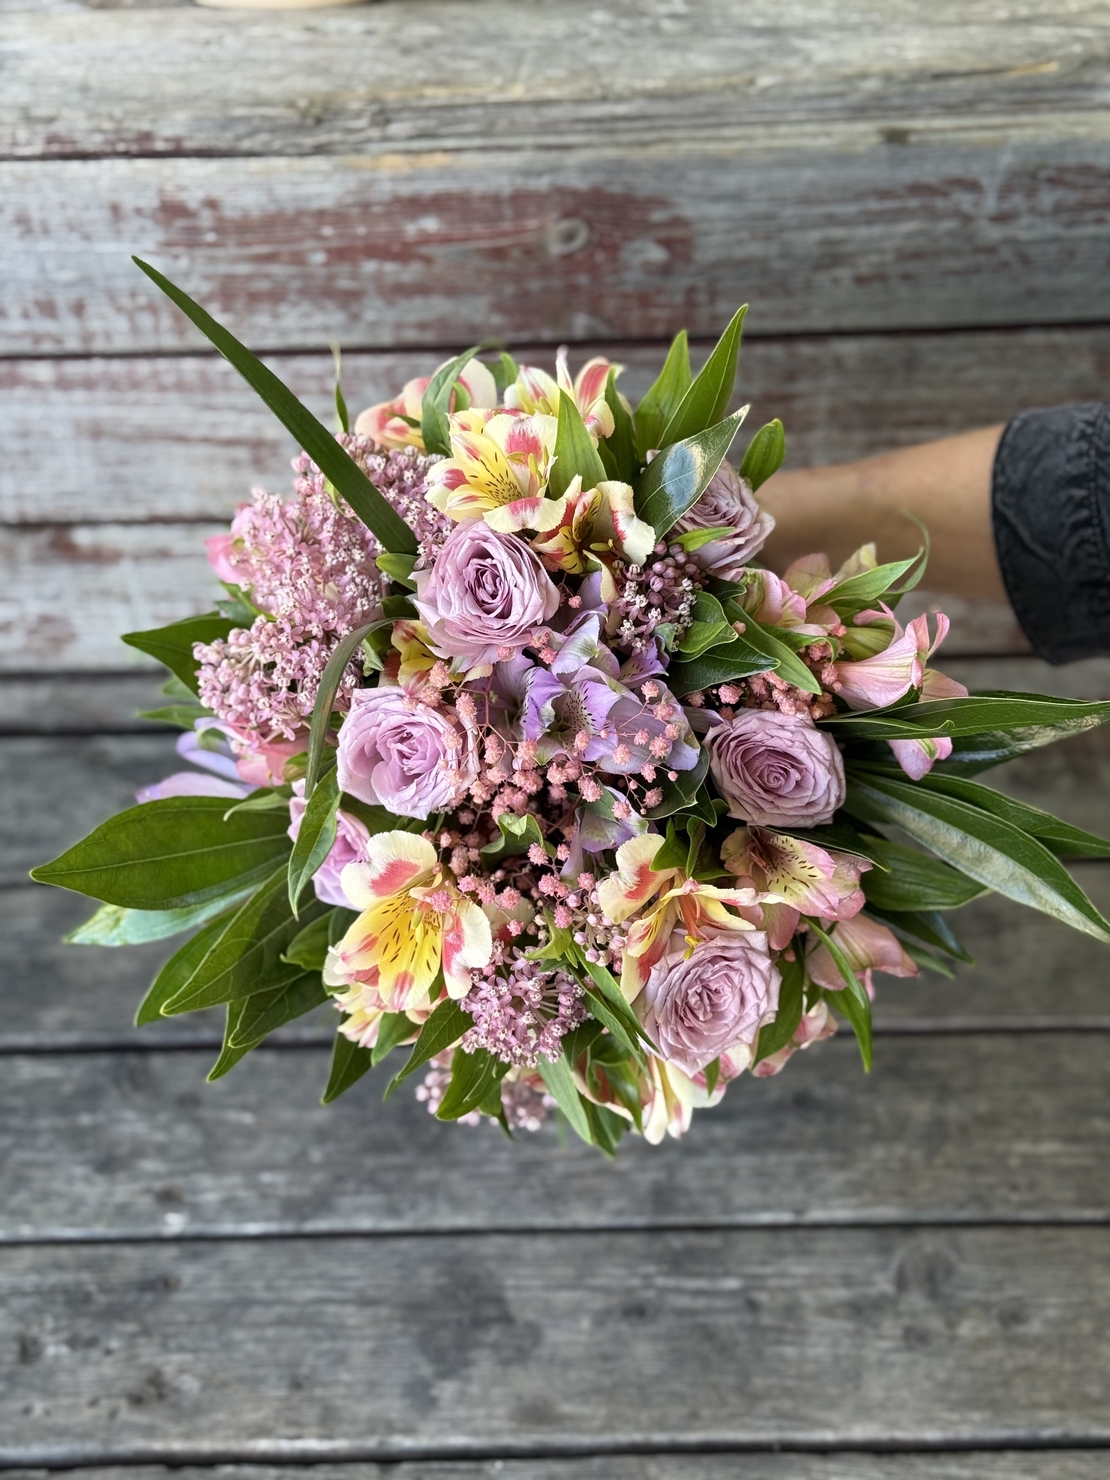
(778,1034)
(172,645)
(662,400)
(971,716)
(982,846)
(349,1062)
(332,460)
(1059,836)
(560,1082)
(443,1029)
(852,1001)
(435,429)
(265,1011)
(706,401)
(788,665)
(330,680)
(678,477)
(575,453)
(765,454)
(319,825)
(718,665)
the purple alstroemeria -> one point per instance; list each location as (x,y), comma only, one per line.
(214,756)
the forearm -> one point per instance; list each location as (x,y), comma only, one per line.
(946,484)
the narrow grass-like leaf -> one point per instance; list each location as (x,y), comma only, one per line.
(444,1028)
(621,444)
(171,854)
(765,454)
(678,477)
(349,1062)
(330,680)
(706,401)
(435,429)
(664,397)
(575,453)
(610,1019)
(557,1077)
(981,845)
(975,715)
(609,988)
(173,645)
(332,460)
(314,840)
(853,1000)
(342,415)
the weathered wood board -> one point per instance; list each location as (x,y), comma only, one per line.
(1000,1128)
(182,437)
(379,1347)
(820,234)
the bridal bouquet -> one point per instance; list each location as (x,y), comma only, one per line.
(510,749)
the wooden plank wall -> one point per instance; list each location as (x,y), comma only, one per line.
(896,1276)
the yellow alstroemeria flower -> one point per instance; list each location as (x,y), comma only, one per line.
(413,921)
(535,391)
(665,900)
(497,458)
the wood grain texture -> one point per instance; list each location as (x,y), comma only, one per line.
(997,1128)
(182,437)
(407,75)
(1056,1464)
(376,1347)
(835,230)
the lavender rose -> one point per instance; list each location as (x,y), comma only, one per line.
(351,838)
(728,500)
(776,770)
(402,754)
(485,596)
(713,1001)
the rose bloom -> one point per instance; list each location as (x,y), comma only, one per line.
(399,753)
(351,838)
(485,596)
(712,1001)
(776,770)
(728,500)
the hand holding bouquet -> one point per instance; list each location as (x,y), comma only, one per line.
(510,749)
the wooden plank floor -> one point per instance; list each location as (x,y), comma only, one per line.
(901,1276)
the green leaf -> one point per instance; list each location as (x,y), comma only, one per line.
(398,568)
(916,882)
(378,819)
(694,539)
(434,426)
(349,1062)
(270,800)
(342,415)
(664,397)
(247,958)
(609,990)
(606,1127)
(861,591)
(974,715)
(445,1027)
(518,834)
(575,453)
(706,401)
(183,716)
(718,665)
(330,680)
(853,1000)
(621,443)
(678,477)
(472,1077)
(974,753)
(928,927)
(229,1056)
(557,1077)
(314,840)
(788,665)
(712,1074)
(171,853)
(177,971)
(1060,837)
(265,1011)
(504,372)
(580,1039)
(709,628)
(332,460)
(309,947)
(173,645)
(114,926)
(765,454)
(778,1034)
(681,792)
(612,1020)
(981,845)
(393,1029)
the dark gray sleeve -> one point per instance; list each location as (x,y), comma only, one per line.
(1051,512)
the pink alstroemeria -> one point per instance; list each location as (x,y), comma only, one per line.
(413,921)
(496,460)
(818,1023)
(682,903)
(868,947)
(384,422)
(534,391)
(917,756)
(807,879)
(774,602)
(875,682)
(583,530)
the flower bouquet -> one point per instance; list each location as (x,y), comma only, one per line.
(509,749)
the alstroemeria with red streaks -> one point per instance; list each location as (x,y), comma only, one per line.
(868,946)
(664,900)
(496,459)
(583,530)
(535,391)
(390,422)
(808,880)
(414,921)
